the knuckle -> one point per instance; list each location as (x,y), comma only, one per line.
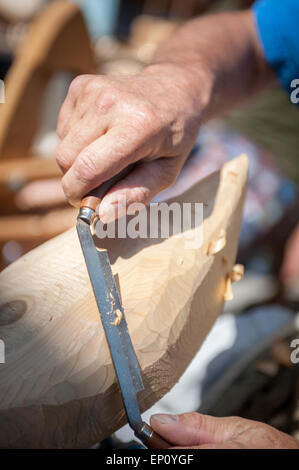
(145,122)
(105,100)
(236,420)
(93,84)
(195,420)
(237,424)
(194,417)
(85,167)
(78,84)
(144,116)
(61,158)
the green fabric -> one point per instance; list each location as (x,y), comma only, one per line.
(272,122)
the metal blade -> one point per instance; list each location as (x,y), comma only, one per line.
(108,300)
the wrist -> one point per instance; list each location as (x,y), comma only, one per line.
(195,85)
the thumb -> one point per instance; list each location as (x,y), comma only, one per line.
(193,429)
(138,187)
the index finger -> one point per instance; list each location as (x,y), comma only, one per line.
(101,160)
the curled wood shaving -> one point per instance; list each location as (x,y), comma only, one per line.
(228,292)
(237,273)
(217,245)
(118,317)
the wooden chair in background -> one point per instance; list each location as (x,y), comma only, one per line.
(57,41)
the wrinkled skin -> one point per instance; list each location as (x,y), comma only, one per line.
(152,119)
(107,124)
(197,431)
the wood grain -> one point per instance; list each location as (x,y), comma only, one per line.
(58,387)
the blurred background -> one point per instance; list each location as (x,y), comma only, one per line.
(244,367)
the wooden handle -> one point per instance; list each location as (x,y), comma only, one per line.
(93,199)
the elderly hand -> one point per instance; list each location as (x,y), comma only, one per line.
(197,431)
(108,123)
(210,64)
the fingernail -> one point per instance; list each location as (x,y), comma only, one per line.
(106,212)
(165,419)
(110,211)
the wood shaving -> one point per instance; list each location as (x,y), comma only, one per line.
(235,275)
(237,272)
(228,292)
(118,317)
(215,246)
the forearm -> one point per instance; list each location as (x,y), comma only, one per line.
(220,58)
(154,117)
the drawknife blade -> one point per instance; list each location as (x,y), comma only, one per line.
(109,304)
(108,300)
